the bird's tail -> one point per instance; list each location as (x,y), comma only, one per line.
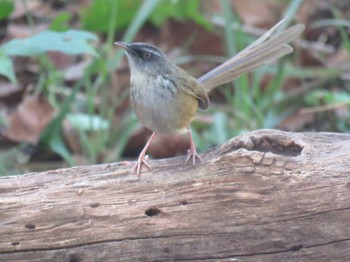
(265,49)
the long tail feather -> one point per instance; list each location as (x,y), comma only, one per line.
(264,50)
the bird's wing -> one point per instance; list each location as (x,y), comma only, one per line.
(193,87)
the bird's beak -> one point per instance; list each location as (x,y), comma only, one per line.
(123,45)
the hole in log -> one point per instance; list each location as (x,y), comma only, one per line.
(15,243)
(296,248)
(30,226)
(74,258)
(153,211)
(267,144)
(184,202)
(94,205)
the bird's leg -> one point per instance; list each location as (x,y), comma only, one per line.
(192,152)
(141,160)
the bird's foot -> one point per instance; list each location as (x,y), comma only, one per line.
(142,161)
(192,152)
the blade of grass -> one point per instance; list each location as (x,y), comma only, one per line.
(51,134)
(255,96)
(55,125)
(310,72)
(345,38)
(128,128)
(274,86)
(112,26)
(236,41)
(141,16)
(229,33)
(343,32)
(330,22)
(290,12)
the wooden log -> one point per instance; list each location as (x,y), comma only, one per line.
(263,196)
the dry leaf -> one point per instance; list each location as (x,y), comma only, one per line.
(259,13)
(28,121)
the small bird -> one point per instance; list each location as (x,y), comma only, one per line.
(165,98)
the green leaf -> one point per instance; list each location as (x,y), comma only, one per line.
(218,133)
(179,10)
(143,13)
(60,23)
(220,128)
(3,121)
(87,122)
(6,8)
(72,42)
(319,97)
(96,17)
(57,145)
(6,67)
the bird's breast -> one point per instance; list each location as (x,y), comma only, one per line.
(160,104)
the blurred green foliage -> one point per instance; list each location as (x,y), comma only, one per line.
(322,97)
(331,105)
(247,106)
(61,22)
(6,8)
(180,11)
(96,17)
(71,42)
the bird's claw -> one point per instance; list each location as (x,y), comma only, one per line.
(142,161)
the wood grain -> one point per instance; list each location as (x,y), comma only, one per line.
(263,196)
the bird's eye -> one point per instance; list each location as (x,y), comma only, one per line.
(146,55)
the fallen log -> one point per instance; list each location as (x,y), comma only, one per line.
(262,196)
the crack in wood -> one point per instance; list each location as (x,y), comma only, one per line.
(294,248)
(302,217)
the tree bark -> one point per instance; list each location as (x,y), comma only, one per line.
(263,196)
